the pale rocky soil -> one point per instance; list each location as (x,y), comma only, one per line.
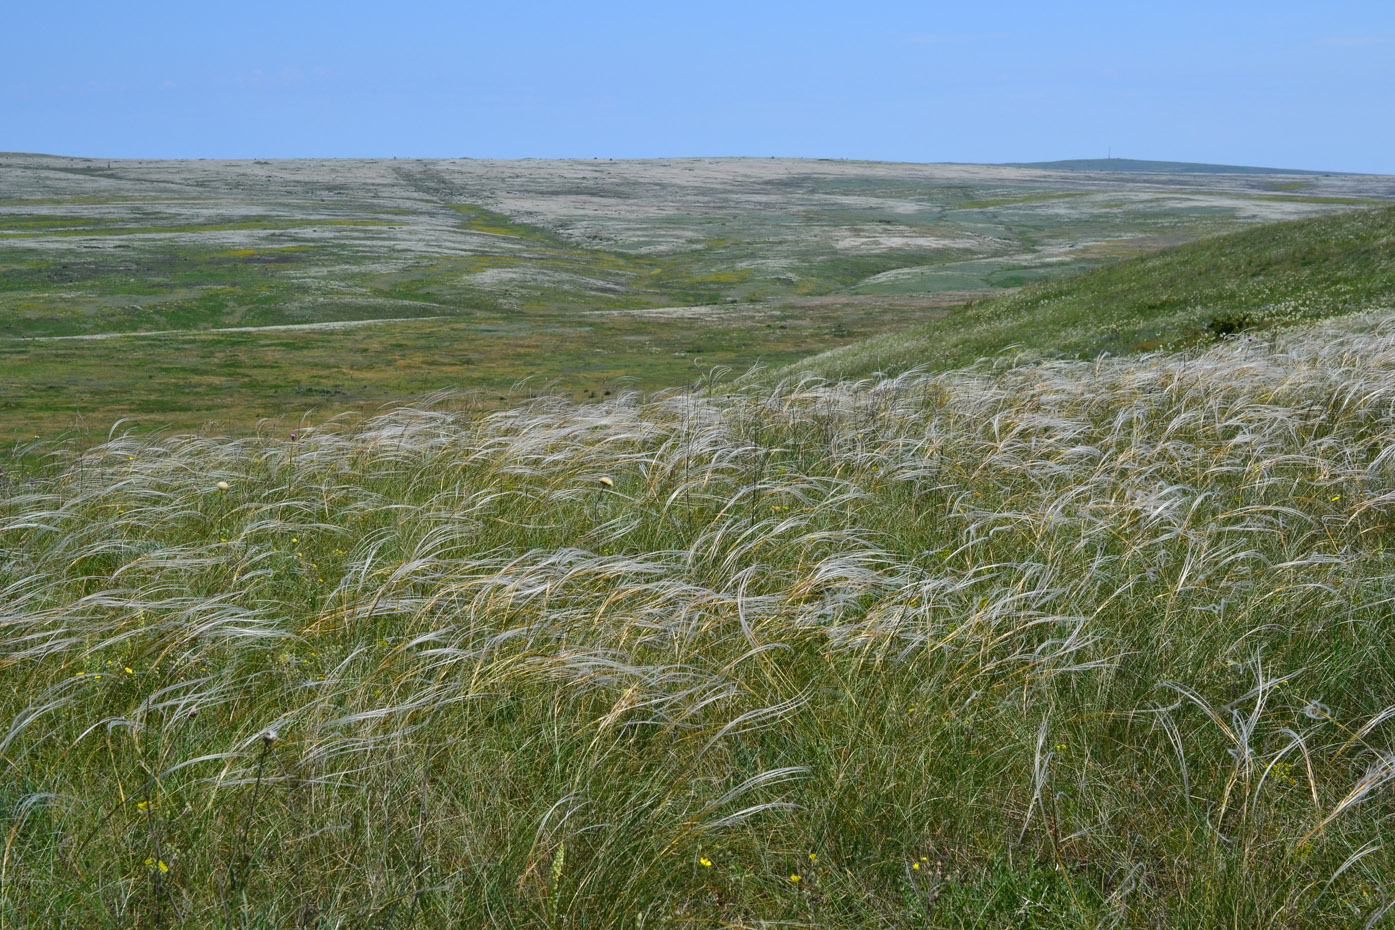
(619,204)
(753,229)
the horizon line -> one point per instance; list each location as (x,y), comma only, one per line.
(1043,164)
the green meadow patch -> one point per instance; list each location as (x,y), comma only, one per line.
(1255,281)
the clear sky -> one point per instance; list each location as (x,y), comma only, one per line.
(1277,83)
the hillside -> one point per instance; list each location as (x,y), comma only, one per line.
(1256,281)
(1073,644)
(1096,635)
(1145,165)
(184,293)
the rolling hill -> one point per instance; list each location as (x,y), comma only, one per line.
(1256,281)
(1154,167)
(1056,642)
(220,293)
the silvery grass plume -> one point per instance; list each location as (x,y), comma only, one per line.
(1107,641)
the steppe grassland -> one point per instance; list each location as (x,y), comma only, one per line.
(1256,281)
(1066,644)
(465,261)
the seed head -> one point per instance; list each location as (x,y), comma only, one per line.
(222,485)
(605,480)
(269,737)
(1316,710)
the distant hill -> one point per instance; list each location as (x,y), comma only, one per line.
(1138,166)
(1270,276)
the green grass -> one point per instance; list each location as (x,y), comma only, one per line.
(43,227)
(227,382)
(1097,635)
(1069,645)
(1013,200)
(479,219)
(483,260)
(1256,280)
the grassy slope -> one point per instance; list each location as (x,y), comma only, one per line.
(498,270)
(1072,646)
(1263,278)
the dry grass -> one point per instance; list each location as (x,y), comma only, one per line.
(1060,645)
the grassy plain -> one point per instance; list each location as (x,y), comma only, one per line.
(1069,644)
(1035,642)
(471,263)
(229,381)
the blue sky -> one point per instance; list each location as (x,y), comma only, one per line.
(1303,85)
